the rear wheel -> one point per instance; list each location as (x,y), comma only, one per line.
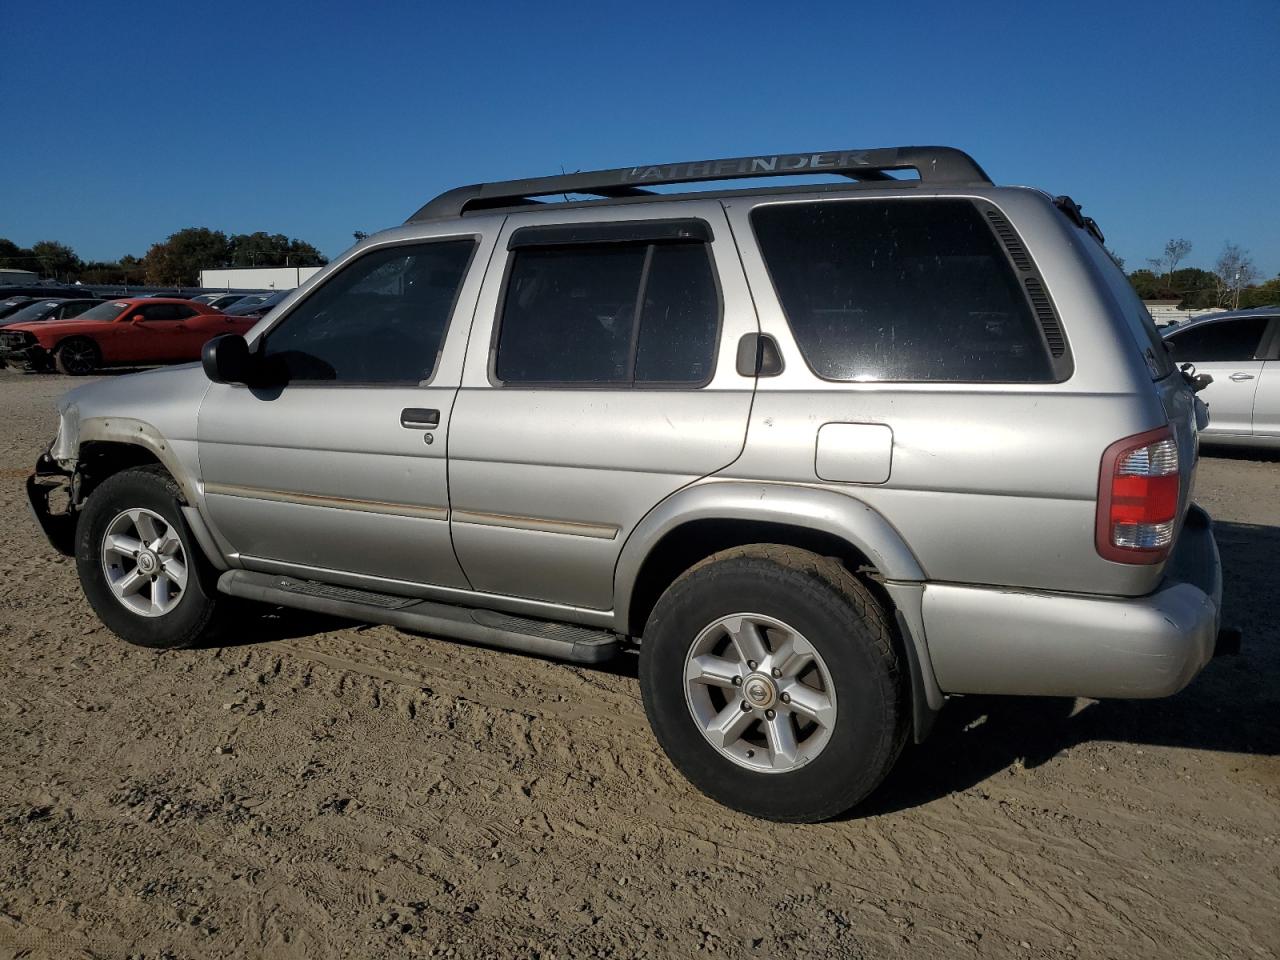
(77,356)
(771,679)
(139,565)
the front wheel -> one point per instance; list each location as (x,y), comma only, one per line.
(77,357)
(771,679)
(139,566)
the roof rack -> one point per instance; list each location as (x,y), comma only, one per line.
(933,164)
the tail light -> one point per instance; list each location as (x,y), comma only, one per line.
(1138,490)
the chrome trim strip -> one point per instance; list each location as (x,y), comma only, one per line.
(570,528)
(336,503)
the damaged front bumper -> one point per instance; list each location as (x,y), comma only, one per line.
(52,494)
(33,357)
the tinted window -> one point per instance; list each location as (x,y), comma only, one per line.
(34,311)
(381,319)
(900,290)
(105,311)
(165,311)
(1228,340)
(618,313)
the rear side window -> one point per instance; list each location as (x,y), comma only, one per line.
(1226,340)
(381,319)
(609,313)
(900,290)
(166,311)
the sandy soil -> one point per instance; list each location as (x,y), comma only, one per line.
(322,789)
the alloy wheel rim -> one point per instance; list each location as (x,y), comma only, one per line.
(79,357)
(144,562)
(760,693)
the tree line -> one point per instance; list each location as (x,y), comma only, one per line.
(175,261)
(1230,284)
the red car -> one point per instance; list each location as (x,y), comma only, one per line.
(138,331)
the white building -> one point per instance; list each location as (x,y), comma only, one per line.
(257,278)
(18,278)
(1165,312)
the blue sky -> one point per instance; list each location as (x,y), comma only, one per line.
(127,121)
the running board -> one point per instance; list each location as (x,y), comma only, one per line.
(543,638)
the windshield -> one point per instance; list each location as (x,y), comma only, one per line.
(33,311)
(105,311)
(256,304)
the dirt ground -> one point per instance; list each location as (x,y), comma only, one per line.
(321,789)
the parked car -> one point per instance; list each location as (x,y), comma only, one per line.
(255,305)
(11,305)
(134,331)
(218,300)
(38,310)
(1240,350)
(827,453)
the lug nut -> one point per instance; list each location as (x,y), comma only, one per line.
(769,714)
(746,707)
(751,664)
(785,698)
(776,672)
(737,681)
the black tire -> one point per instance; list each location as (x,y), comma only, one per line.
(835,613)
(194,616)
(77,357)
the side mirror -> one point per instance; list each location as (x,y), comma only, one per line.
(226,359)
(1197,382)
(137,318)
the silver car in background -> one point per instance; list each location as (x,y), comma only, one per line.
(826,454)
(1240,350)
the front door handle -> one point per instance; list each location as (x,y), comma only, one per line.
(1237,377)
(417,418)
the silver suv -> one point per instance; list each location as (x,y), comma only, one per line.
(825,454)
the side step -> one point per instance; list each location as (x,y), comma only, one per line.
(543,638)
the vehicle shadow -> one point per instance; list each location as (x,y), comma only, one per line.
(1231,452)
(253,623)
(1233,706)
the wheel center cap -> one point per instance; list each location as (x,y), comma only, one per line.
(147,562)
(759,691)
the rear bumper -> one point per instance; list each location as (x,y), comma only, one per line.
(985,640)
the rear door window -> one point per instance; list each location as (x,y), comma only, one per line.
(609,313)
(1226,340)
(900,290)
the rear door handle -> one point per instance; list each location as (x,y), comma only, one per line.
(1237,377)
(417,418)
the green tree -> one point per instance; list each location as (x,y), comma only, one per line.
(272,250)
(180,258)
(56,260)
(15,257)
(1263,295)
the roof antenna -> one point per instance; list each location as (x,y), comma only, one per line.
(565,195)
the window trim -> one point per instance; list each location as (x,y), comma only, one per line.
(340,268)
(1061,369)
(491,365)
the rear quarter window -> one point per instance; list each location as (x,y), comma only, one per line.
(900,290)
